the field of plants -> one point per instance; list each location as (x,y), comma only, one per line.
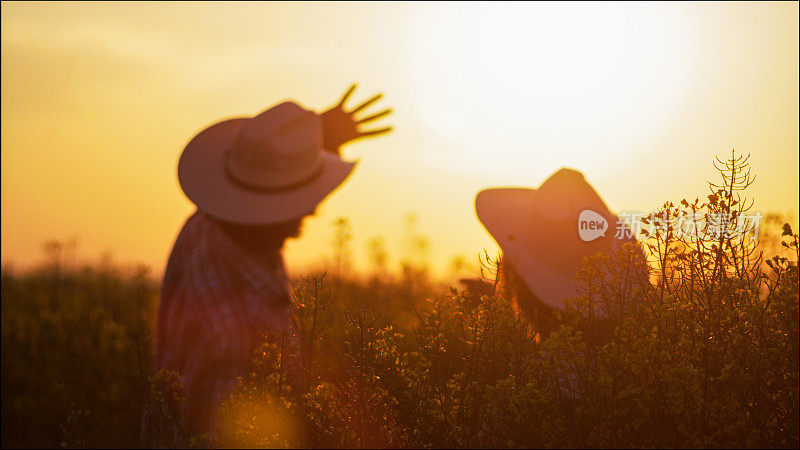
(703,354)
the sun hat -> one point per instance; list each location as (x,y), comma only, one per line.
(545,233)
(259,170)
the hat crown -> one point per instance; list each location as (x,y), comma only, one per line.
(559,195)
(277,149)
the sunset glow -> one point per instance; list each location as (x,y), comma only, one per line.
(98,101)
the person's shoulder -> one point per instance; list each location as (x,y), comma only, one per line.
(184,245)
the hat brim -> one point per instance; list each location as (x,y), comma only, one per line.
(204,179)
(502,212)
(507,215)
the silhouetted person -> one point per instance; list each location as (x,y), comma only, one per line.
(543,244)
(253,179)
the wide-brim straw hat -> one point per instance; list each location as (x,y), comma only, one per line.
(259,170)
(538,231)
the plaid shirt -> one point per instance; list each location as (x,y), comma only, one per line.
(217,302)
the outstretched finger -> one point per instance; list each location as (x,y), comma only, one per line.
(377,116)
(347,94)
(366,103)
(374,132)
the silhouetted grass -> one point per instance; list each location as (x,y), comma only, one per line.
(76,352)
(705,354)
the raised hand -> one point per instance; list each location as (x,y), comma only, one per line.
(340,126)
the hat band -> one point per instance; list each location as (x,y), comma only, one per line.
(241,181)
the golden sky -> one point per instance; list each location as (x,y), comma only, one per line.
(98,101)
